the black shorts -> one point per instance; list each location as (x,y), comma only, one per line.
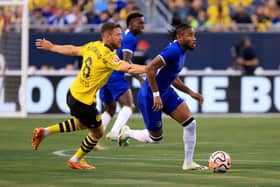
(87,114)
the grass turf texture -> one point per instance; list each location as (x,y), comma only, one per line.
(253,144)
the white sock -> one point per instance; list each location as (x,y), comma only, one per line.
(189,137)
(74,158)
(122,118)
(46,132)
(140,135)
(106,118)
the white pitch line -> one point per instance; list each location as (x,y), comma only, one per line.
(65,153)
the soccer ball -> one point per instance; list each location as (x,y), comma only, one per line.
(219,162)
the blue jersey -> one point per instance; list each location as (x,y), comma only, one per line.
(174,58)
(129,43)
(117,84)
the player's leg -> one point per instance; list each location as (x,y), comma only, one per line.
(127,106)
(77,161)
(152,119)
(90,117)
(109,105)
(183,115)
(69,125)
(109,112)
(120,92)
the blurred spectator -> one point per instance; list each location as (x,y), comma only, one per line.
(58,22)
(203,20)
(120,4)
(17,18)
(179,10)
(7,17)
(245,3)
(37,21)
(89,12)
(193,21)
(76,19)
(33,4)
(141,55)
(54,4)
(2,22)
(241,19)
(81,4)
(271,9)
(47,11)
(112,7)
(260,20)
(245,58)
(219,16)
(192,13)
(196,6)
(129,7)
(276,22)
(104,17)
(117,19)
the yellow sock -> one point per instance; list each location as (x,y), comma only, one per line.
(69,125)
(87,145)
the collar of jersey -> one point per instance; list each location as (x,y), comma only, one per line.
(108,47)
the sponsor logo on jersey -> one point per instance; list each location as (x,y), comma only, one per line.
(116,60)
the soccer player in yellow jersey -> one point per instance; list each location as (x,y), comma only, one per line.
(99,60)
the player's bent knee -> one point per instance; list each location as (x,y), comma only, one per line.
(97,133)
(188,121)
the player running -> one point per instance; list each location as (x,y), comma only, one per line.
(156,96)
(99,61)
(117,87)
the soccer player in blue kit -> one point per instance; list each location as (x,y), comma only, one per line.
(117,88)
(156,96)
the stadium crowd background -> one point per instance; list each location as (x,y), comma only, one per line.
(205,15)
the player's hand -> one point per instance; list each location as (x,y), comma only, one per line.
(197,97)
(157,103)
(43,44)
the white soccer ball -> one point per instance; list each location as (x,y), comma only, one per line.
(219,162)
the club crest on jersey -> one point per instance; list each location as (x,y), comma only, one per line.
(116,60)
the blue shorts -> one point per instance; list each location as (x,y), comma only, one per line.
(153,119)
(116,86)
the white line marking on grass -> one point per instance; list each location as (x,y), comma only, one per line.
(69,152)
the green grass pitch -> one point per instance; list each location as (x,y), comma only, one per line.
(252,142)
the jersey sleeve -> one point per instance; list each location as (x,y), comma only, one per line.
(83,48)
(129,44)
(169,54)
(112,61)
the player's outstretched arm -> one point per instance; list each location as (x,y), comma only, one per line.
(127,56)
(47,45)
(134,69)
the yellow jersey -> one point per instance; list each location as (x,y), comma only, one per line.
(99,61)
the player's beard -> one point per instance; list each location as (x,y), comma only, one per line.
(116,45)
(189,46)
